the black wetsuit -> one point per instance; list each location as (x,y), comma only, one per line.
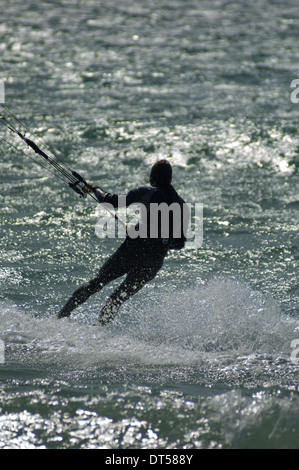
(139,258)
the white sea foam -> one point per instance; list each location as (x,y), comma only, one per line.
(211,322)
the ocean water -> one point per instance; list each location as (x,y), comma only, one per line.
(206,355)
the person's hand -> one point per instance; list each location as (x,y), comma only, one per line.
(88,188)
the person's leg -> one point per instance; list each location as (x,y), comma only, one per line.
(116,266)
(135,280)
(81,295)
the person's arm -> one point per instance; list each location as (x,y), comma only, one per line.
(133,196)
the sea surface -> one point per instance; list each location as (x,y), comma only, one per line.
(205,356)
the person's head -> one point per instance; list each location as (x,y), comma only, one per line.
(161,174)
